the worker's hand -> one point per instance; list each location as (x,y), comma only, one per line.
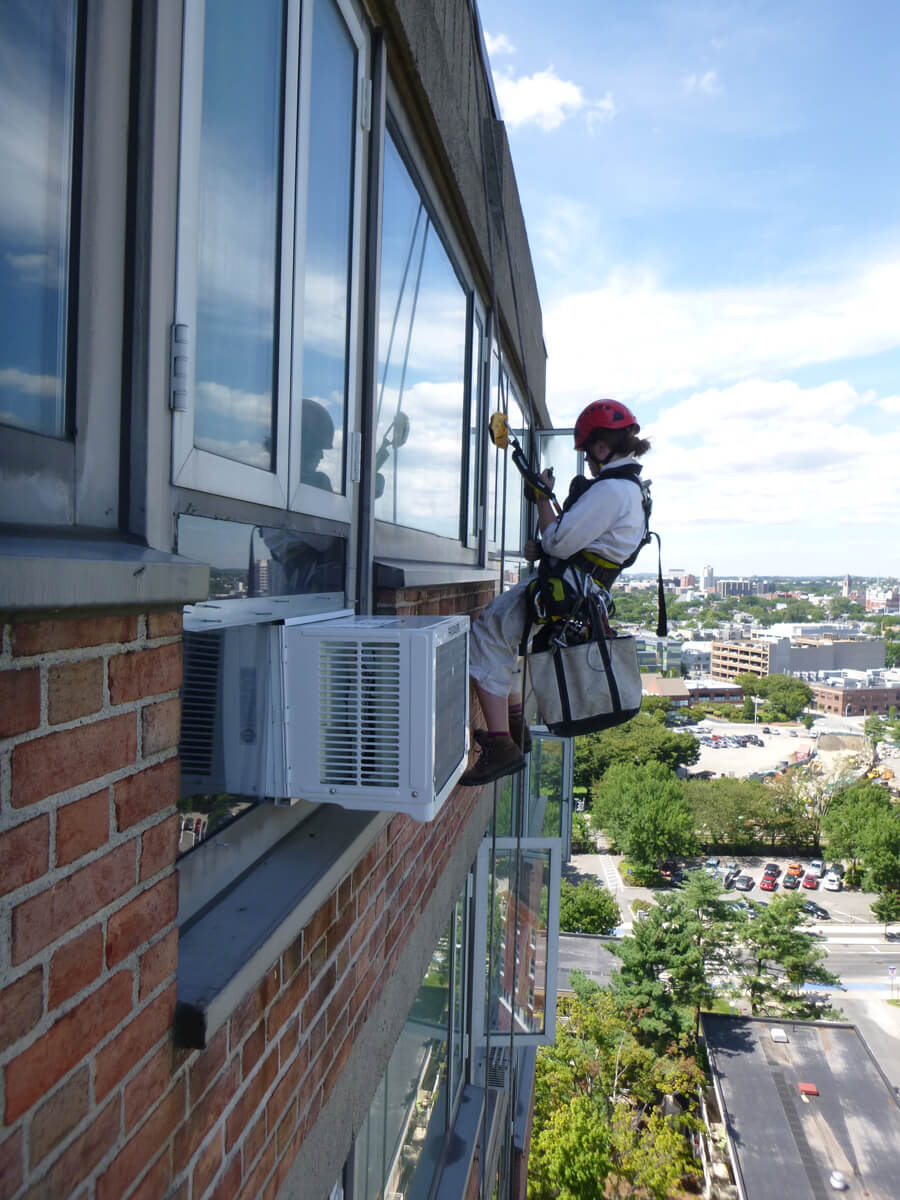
(547,476)
(531,551)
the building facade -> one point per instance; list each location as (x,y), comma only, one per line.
(767,655)
(858,693)
(266,275)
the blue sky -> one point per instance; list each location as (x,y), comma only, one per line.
(712,196)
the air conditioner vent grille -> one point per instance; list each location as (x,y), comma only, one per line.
(202,661)
(359,713)
(450,709)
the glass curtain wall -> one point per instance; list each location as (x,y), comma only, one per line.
(422,385)
(399,1145)
(38,96)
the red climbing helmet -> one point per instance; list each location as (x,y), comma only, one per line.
(603,414)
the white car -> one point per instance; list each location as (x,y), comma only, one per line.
(832,882)
(817,868)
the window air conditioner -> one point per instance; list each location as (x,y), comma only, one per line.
(366,712)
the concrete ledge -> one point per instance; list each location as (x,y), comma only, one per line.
(65,571)
(401,573)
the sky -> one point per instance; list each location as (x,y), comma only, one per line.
(712,196)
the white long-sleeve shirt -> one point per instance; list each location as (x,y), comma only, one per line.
(608,519)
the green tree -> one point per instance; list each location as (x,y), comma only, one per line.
(587,907)
(880,850)
(887,909)
(778,957)
(876,731)
(582,839)
(570,1158)
(644,811)
(640,740)
(650,1154)
(848,816)
(725,811)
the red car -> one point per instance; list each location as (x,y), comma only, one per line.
(810,881)
(768,883)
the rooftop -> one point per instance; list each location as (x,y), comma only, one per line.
(786,1144)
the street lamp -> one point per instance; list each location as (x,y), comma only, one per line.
(757,700)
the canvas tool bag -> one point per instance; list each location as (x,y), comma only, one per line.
(592,685)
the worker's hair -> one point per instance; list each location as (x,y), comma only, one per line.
(622,441)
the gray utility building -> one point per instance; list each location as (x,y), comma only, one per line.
(800,1100)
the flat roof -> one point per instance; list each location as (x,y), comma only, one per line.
(783,1145)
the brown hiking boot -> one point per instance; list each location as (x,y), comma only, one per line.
(499,756)
(516,730)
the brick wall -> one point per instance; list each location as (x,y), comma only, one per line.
(439,600)
(97,1101)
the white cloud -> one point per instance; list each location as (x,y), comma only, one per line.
(600,111)
(708,83)
(28,383)
(498,44)
(773,453)
(541,99)
(890,404)
(634,337)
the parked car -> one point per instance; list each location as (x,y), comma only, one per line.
(816,910)
(733,866)
(729,879)
(766,729)
(816,867)
(772,869)
(832,882)
(745,906)
(795,868)
(745,883)
(790,882)
(793,733)
(837,868)
(711,866)
(810,881)
(768,883)
(667,868)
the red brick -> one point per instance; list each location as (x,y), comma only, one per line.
(254,1141)
(253,1050)
(11,1167)
(58,1116)
(254,1182)
(67,1043)
(159,846)
(58,761)
(208,1164)
(24,853)
(156,1182)
(38,637)
(287,1043)
(20,701)
(250,1099)
(146,1028)
(21,1006)
(138,921)
(226,1188)
(74,690)
(75,965)
(288,1003)
(281,1096)
(202,1116)
(320,922)
(160,726)
(317,994)
(144,673)
(158,963)
(147,1087)
(79,1159)
(254,1004)
(81,827)
(143,1146)
(285,1129)
(208,1064)
(44,918)
(164,624)
(146,793)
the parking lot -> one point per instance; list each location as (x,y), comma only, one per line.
(779,746)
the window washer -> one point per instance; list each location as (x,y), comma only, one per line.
(600,528)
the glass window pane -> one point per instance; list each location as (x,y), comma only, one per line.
(421,365)
(37,105)
(515,978)
(514,486)
(238,227)
(329,217)
(475,427)
(399,1144)
(545,778)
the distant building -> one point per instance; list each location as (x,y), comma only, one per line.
(696,656)
(845,587)
(883,599)
(714,691)
(857,693)
(708,579)
(767,655)
(658,653)
(673,690)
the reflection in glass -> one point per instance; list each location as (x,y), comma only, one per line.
(329,194)
(515,975)
(545,792)
(421,365)
(514,533)
(398,1146)
(475,446)
(556,451)
(257,560)
(37,109)
(496,464)
(238,223)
